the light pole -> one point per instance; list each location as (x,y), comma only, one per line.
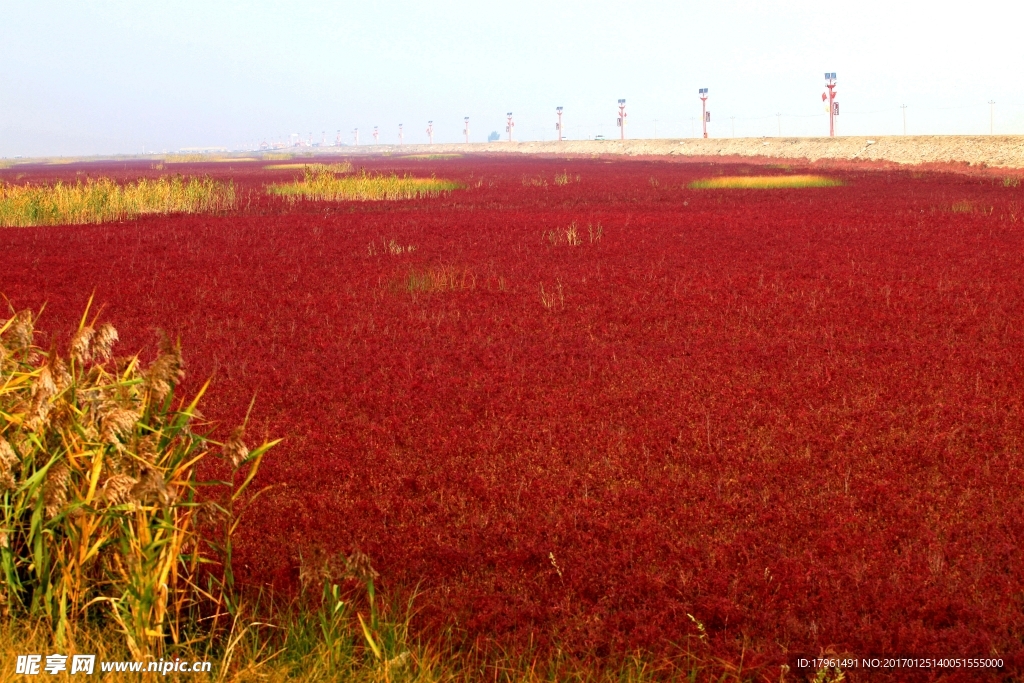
(356,134)
(705,115)
(375,134)
(400,137)
(466,129)
(509,126)
(904,108)
(558,126)
(991,117)
(833,106)
(622,119)
(337,139)
(430,131)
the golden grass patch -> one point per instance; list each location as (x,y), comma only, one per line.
(326,186)
(432,156)
(763,182)
(102,199)
(342,167)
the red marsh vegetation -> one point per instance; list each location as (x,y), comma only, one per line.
(576,401)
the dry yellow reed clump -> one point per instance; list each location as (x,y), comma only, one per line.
(98,475)
(102,199)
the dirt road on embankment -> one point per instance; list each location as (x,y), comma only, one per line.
(995,151)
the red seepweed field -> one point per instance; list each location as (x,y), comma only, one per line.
(576,402)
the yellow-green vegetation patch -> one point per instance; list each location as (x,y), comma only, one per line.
(343,167)
(763,182)
(327,186)
(102,199)
(432,156)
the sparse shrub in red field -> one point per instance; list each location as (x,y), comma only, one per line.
(580,411)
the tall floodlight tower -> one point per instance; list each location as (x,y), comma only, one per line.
(355,133)
(833,106)
(400,136)
(430,131)
(705,115)
(509,126)
(622,119)
(375,135)
(465,130)
(337,139)
(558,126)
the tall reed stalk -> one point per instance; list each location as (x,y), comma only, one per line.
(100,514)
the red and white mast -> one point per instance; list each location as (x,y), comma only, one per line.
(833,106)
(705,115)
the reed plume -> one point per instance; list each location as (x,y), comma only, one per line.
(98,476)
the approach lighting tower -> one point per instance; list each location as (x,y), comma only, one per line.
(465,130)
(705,115)
(558,126)
(833,106)
(337,139)
(400,137)
(375,135)
(430,131)
(509,126)
(622,119)
(355,133)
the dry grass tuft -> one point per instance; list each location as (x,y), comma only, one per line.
(97,201)
(439,279)
(573,235)
(769,182)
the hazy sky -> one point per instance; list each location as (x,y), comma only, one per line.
(92,77)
